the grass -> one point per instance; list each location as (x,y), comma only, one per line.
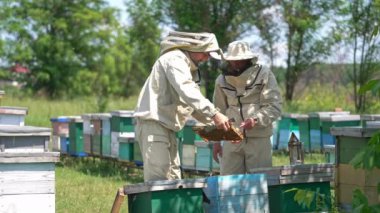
(40,110)
(90,184)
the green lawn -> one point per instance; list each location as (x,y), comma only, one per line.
(90,184)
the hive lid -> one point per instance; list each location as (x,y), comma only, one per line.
(327,114)
(13,110)
(337,118)
(161,185)
(64,119)
(7,130)
(370,117)
(354,131)
(101,115)
(30,157)
(122,113)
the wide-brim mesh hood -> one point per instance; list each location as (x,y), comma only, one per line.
(194,42)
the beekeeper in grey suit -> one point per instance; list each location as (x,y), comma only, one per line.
(248,93)
(169,97)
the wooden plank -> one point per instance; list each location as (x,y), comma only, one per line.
(119,198)
(353,131)
(27,178)
(28,203)
(28,187)
(31,157)
(307,169)
(321,177)
(24,131)
(13,110)
(345,192)
(349,175)
(160,185)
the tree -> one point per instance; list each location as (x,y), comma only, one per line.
(363,21)
(222,17)
(305,44)
(143,37)
(57,41)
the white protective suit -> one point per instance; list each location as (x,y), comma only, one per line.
(168,98)
(253,94)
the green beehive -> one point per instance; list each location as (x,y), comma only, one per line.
(336,121)
(76,137)
(370,120)
(287,125)
(304,131)
(349,142)
(284,181)
(87,132)
(281,200)
(315,128)
(122,121)
(166,196)
(203,156)
(186,148)
(126,145)
(137,157)
(100,123)
(187,133)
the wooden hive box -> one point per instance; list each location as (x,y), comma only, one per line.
(87,133)
(304,131)
(186,147)
(24,139)
(137,156)
(203,156)
(101,125)
(27,182)
(315,128)
(76,137)
(12,115)
(126,144)
(287,125)
(237,193)
(187,156)
(122,121)
(166,196)
(336,121)
(370,120)
(310,177)
(350,140)
(60,126)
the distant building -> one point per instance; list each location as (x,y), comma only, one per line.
(19,69)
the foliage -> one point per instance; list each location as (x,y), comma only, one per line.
(226,18)
(361,28)
(303,20)
(372,85)
(318,97)
(55,40)
(143,39)
(360,203)
(305,197)
(369,157)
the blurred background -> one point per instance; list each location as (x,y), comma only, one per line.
(322,52)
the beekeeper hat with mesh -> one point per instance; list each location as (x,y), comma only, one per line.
(193,42)
(238,50)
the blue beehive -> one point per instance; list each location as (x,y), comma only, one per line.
(237,193)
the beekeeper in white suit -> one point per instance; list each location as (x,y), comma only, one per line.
(248,93)
(169,97)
